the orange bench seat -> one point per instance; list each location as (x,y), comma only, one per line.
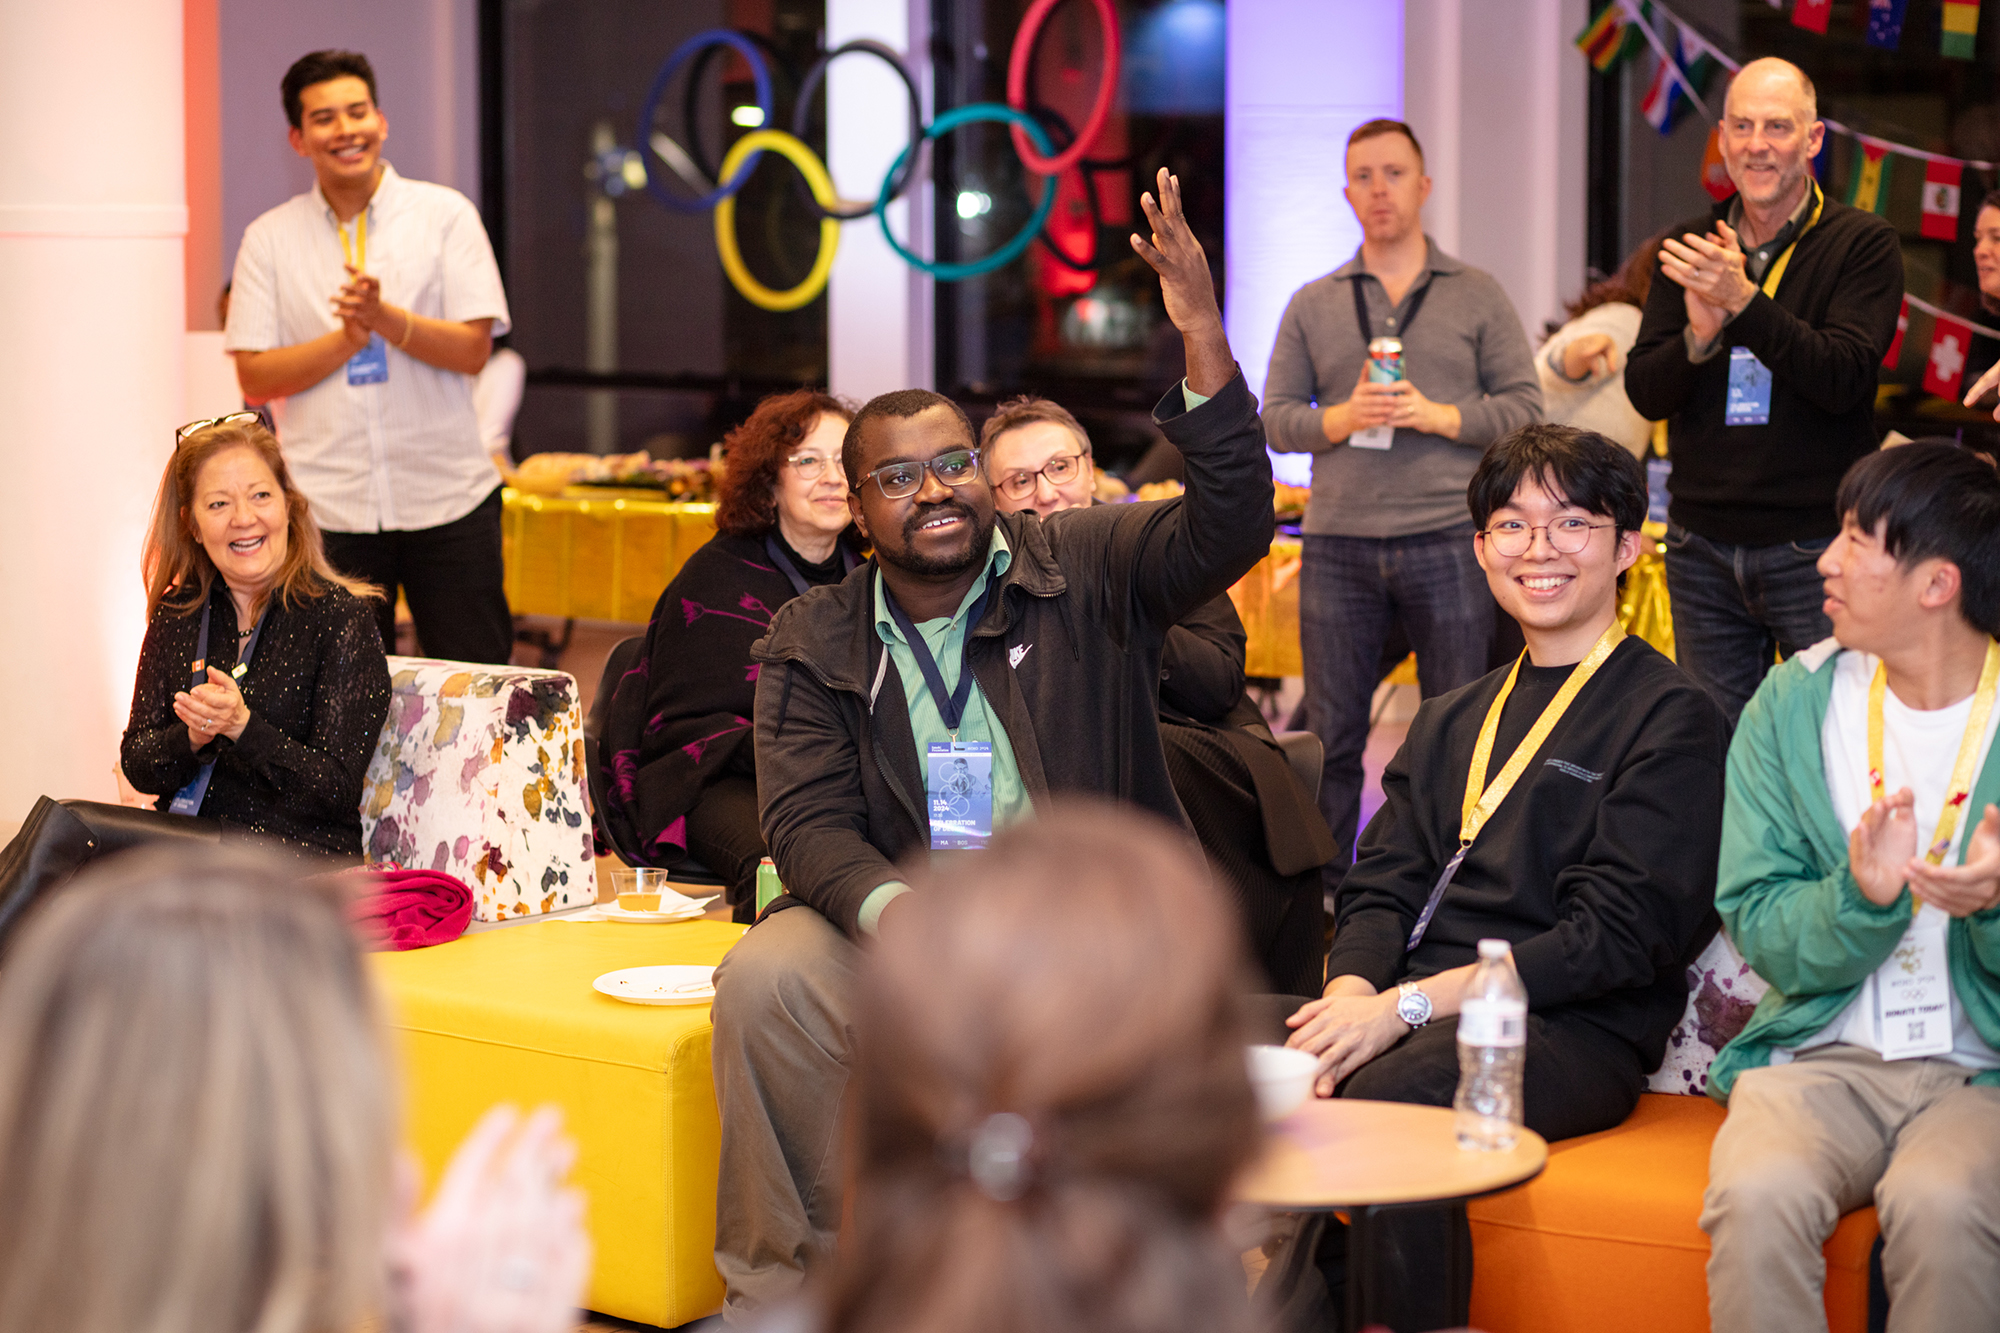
(1608,1236)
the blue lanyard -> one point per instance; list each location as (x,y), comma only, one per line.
(950,706)
(187,801)
(848,560)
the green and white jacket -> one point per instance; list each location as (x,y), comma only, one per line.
(1785,894)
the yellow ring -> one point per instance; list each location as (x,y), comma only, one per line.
(799,155)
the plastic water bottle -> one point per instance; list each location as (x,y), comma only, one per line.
(1492,1047)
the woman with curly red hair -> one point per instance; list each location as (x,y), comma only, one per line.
(681,775)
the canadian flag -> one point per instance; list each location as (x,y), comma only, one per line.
(1812,15)
(1941,200)
(1949,346)
(1895,352)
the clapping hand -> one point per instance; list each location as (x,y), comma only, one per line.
(1961,890)
(1984,385)
(1882,846)
(1710,268)
(502,1247)
(214,708)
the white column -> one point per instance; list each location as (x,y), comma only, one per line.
(1301,76)
(92,215)
(878,309)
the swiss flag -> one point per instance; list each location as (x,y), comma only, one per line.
(1941,200)
(1949,346)
(1812,15)
(1895,352)
(1714,173)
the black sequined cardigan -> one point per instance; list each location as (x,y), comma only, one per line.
(318,691)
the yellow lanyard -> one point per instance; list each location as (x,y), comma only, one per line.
(1481,800)
(1968,749)
(357,249)
(1777,270)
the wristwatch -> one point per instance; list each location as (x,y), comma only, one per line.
(1412,1005)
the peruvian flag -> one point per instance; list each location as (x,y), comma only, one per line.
(1812,15)
(1941,200)
(1895,352)
(1949,347)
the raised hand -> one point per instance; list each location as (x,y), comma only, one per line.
(1185,286)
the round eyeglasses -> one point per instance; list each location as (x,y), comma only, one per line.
(808,466)
(1511,537)
(899,481)
(1059,470)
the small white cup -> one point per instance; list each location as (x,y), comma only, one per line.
(1282,1077)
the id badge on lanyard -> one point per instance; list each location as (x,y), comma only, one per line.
(187,801)
(958,775)
(1913,991)
(370,365)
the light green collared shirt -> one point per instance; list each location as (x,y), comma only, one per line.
(945,637)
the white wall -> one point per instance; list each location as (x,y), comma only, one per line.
(1496,90)
(878,309)
(92,215)
(426,59)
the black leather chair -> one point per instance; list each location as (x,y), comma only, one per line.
(623,655)
(60,838)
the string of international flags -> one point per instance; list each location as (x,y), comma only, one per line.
(1684,60)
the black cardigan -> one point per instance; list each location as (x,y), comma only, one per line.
(1599,867)
(1823,338)
(318,691)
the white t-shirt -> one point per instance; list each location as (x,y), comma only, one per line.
(1919,750)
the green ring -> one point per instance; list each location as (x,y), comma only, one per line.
(1006,254)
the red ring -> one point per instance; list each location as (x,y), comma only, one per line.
(1017,86)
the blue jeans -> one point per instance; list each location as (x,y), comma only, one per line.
(1351,589)
(1739,608)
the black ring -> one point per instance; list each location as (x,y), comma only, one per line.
(802,109)
(691,92)
(1061,131)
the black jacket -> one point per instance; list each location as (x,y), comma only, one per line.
(1599,867)
(1068,657)
(1823,337)
(318,691)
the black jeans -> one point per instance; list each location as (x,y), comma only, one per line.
(723,834)
(452,576)
(1739,608)
(1578,1079)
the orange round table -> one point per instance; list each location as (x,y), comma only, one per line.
(1365,1157)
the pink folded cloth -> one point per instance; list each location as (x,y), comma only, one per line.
(409,909)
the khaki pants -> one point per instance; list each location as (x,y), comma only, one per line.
(1830,1132)
(783,999)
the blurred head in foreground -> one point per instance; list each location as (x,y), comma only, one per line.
(1049,1095)
(196,1112)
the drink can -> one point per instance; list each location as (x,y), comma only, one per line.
(768,884)
(1385,361)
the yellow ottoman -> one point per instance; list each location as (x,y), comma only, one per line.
(509,1015)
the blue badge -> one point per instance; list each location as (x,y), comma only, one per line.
(958,776)
(1749,390)
(370,365)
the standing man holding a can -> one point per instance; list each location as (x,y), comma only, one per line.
(1395,371)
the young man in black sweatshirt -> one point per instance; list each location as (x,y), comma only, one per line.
(1593,851)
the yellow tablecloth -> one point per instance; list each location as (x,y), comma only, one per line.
(509,1015)
(1268,600)
(596,554)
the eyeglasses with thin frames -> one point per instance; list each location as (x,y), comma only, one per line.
(244,418)
(1058,471)
(1511,537)
(899,481)
(808,466)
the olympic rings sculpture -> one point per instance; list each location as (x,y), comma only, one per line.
(736,167)
(1031,143)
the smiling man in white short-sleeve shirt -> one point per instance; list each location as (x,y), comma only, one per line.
(369,304)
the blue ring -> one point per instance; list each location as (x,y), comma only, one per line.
(1006,254)
(758,69)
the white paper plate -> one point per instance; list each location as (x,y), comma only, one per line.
(658,985)
(613,912)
